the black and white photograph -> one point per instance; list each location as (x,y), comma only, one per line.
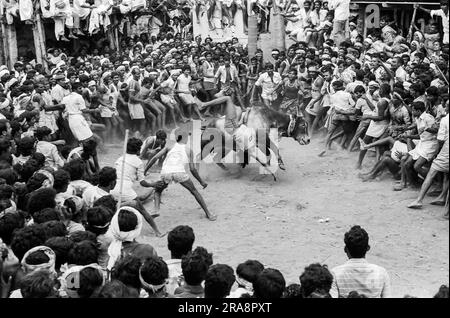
(242,150)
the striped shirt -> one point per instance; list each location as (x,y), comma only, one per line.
(359,275)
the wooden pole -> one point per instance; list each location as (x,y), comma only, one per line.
(41,39)
(411,26)
(37,42)
(116,38)
(11,41)
(4,47)
(123,167)
(252,31)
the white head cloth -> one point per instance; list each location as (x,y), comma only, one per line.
(115,249)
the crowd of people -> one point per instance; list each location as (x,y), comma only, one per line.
(382,92)
(69,227)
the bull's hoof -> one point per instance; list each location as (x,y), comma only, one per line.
(282,166)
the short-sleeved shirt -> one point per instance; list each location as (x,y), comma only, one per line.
(268,84)
(75,103)
(342,100)
(93,194)
(363,106)
(359,275)
(423,122)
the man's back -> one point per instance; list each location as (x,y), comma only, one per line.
(359,275)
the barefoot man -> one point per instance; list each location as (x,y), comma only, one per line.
(173,170)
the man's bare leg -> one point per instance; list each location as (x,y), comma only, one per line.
(230,108)
(148,218)
(191,187)
(441,199)
(382,142)
(418,203)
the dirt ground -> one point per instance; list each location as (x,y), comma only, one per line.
(278,223)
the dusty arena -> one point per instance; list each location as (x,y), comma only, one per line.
(302,218)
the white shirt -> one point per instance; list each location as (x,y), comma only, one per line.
(423,122)
(268,85)
(222,74)
(176,160)
(133,170)
(58,93)
(75,103)
(93,194)
(342,100)
(359,275)
(401,74)
(341,9)
(49,150)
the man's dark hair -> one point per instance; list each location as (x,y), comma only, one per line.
(108,202)
(219,280)
(356,242)
(359,89)
(360,75)
(61,180)
(26,238)
(127,271)
(38,284)
(83,253)
(61,246)
(75,168)
(134,145)
(195,266)
(269,284)
(90,281)
(76,86)
(41,199)
(54,228)
(127,221)
(180,241)
(42,132)
(355,294)
(8,224)
(420,106)
(80,236)
(25,146)
(106,176)
(249,270)
(46,215)
(154,271)
(316,279)
(442,293)
(98,219)
(115,289)
(293,291)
